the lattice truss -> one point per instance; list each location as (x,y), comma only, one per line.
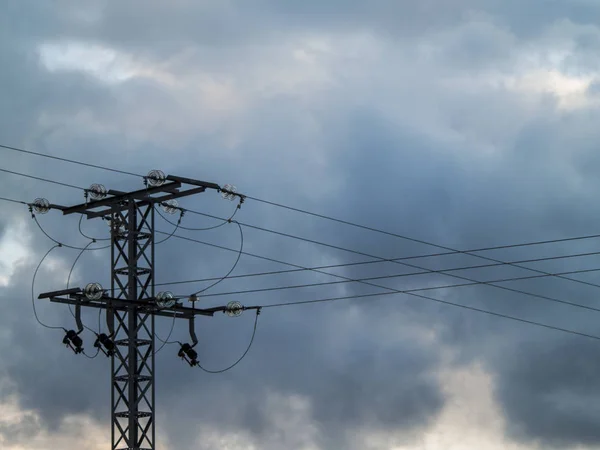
(133,361)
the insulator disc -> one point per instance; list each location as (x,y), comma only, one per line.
(165,299)
(234,309)
(170,206)
(97,191)
(93,291)
(119,228)
(41,205)
(156,178)
(228,192)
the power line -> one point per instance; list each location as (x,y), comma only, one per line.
(73,247)
(239,360)
(330,283)
(376,230)
(333,299)
(394,260)
(445,302)
(231,366)
(237,260)
(35,314)
(89,237)
(380,259)
(177,225)
(288,235)
(331,266)
(71,161)
(46,180)
(213,227)
(279,205)
(12,201)
(166,341)
(530,294)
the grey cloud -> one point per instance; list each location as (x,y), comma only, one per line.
(17,433)
(398,174)
(161,30)
(548,390)
(538,200)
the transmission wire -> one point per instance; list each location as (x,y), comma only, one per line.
(539,296)
(452,269)
(502,280)
(322,216)
(33,295)
(332,266)
(395,260)
(237,260)
(241,357)
(419,241)
(177,226)
(298,210)
(63,245)
(166,341)
(445,302)
(12,201)
(223,221)
(350,250)
(7,147)
(59,183)
(89,237)
(585,237)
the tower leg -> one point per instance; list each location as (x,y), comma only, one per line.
(133,422)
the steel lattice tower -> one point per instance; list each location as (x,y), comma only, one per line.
(132,305)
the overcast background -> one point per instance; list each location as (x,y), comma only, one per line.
(460,122)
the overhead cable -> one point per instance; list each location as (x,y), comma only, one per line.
(394,260)
(33,294)
(530,294)
(335,266)
(329,283)
(241,357)
(437,300)
(67,160)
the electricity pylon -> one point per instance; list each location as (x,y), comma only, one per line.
(132,304)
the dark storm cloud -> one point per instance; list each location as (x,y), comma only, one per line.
(528,194)
(397,176)
(547,389)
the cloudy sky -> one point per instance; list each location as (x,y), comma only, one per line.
(466,123)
